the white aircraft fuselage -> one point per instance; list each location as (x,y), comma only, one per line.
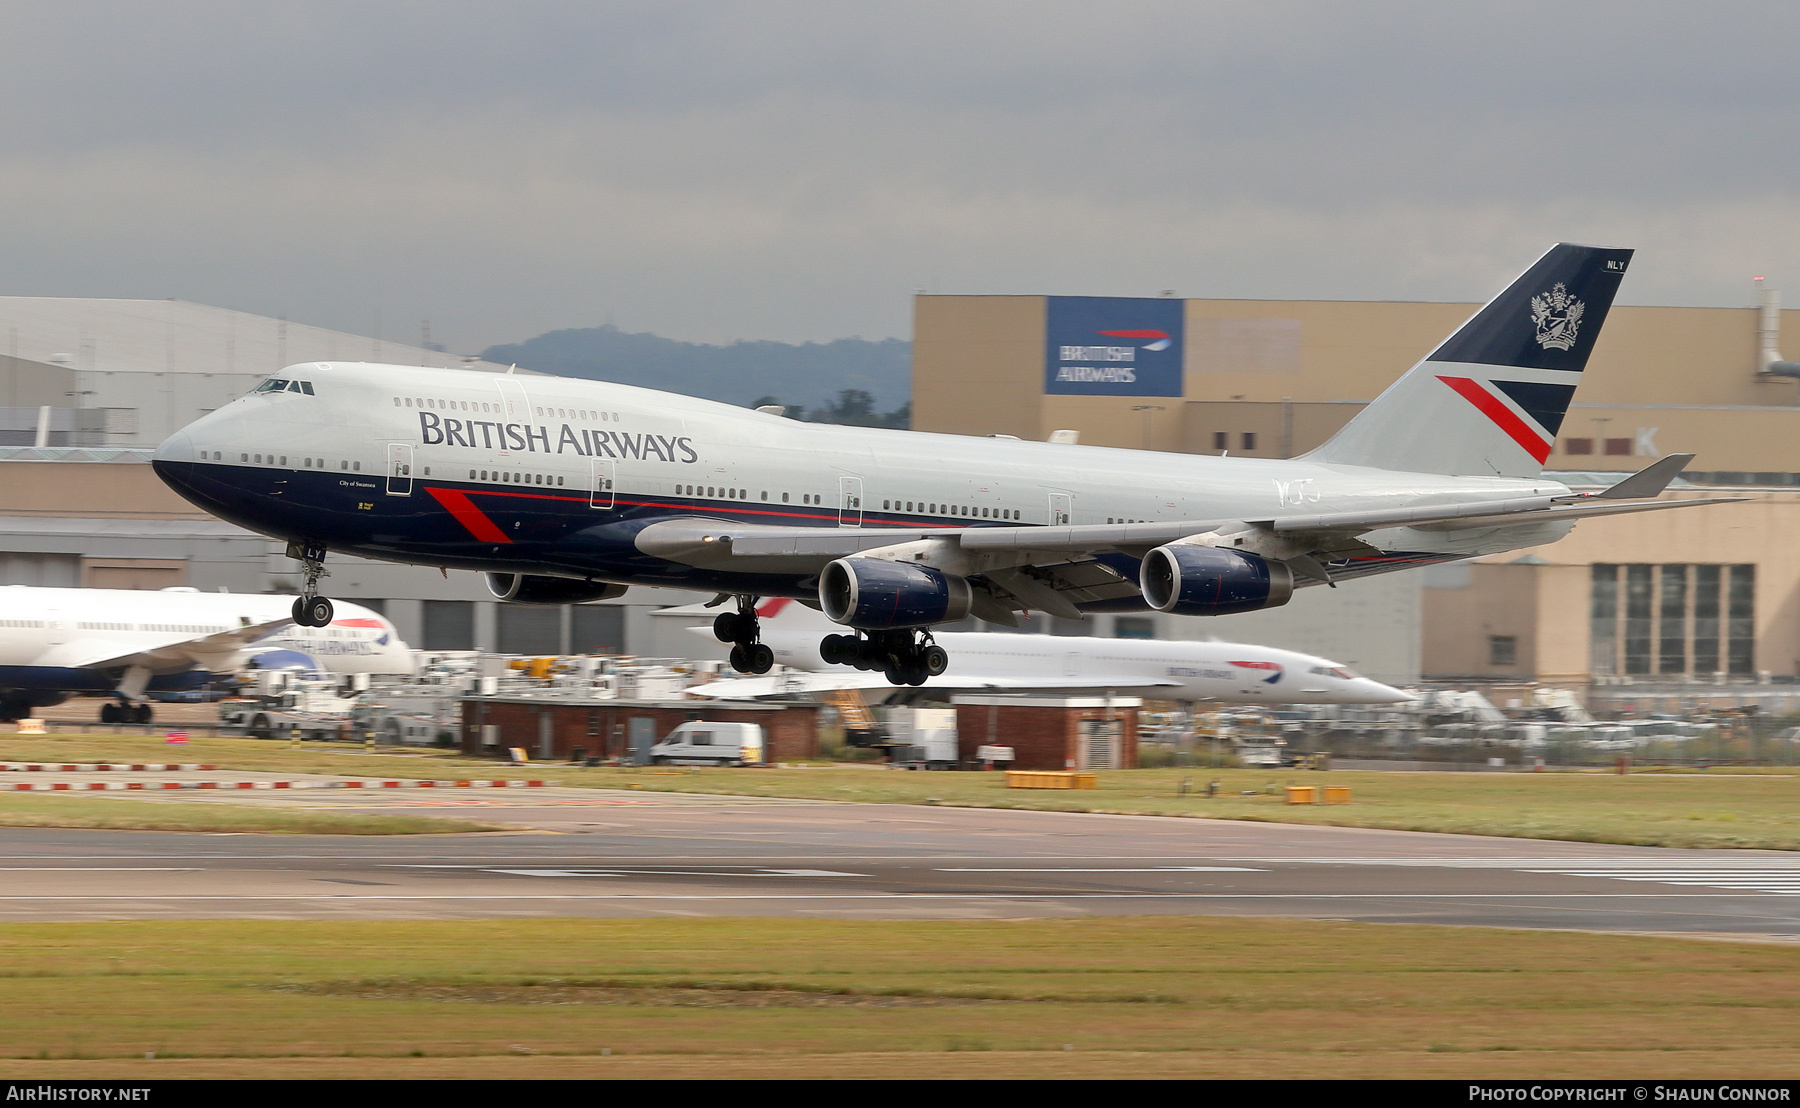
(56,642)
(430,466)
(1229,673)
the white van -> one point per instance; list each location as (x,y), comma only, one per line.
(699,743)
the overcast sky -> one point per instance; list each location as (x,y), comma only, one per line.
(713,171)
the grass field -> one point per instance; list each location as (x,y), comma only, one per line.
(1111,997)
(1720,809)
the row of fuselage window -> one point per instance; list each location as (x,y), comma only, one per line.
(495,409)
(306,463)
(970,510)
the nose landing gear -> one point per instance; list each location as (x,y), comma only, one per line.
(902,658)
(742,629)
(311,609)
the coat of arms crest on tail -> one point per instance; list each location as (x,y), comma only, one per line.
(1558,318)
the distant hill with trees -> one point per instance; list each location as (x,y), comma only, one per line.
(850,381)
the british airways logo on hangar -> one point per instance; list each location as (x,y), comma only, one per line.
(1159,340)
(1113,346)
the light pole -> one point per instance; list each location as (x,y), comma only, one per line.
(1149,411)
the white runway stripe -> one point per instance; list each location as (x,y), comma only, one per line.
(1764,879)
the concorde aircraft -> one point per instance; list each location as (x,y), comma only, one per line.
(55,643)
(1188,670)
(565,490)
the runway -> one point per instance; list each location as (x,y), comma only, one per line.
(601,854)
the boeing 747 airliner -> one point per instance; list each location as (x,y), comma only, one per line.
(565,490)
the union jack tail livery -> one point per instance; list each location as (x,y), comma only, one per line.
(1490,400)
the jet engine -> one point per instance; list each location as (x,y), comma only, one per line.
(873,594)
(526,588)
(1191,580)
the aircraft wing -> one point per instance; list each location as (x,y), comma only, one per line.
(1057,569)
(176,648)
(751,688)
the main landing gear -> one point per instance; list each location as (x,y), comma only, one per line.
(902,658)
(742,629)
(125,713)
(311,609)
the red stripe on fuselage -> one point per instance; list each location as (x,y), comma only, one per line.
(1503,416)
(467,514)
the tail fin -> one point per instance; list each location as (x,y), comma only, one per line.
(1490,400)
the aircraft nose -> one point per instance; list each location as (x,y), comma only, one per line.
(178,447)
(1374,692)
(173,460)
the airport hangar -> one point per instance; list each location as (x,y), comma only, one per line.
(1635,604)
(1650,612)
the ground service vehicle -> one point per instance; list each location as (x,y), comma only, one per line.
(699,743)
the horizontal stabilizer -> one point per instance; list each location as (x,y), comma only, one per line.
(1649,481)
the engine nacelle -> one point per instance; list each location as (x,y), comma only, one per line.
(1189,580)
(527,588)
(873,594)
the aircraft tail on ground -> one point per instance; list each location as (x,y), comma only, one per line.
(1489,401)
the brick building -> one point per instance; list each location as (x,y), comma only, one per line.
(554,730)
(1051,732)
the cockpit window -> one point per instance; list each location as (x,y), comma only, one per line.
(274,384)
(1340,672)
(301,386)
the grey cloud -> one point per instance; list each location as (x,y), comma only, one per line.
(792,170)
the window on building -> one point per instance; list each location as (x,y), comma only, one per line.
(1706,620)
(529,628)
(1741,620)
(1249,440)
(1221,440)
(1134,627)
(1638,609)
(1672,619)
(1617,447)
(1578,446)
(597,629)
(1503,650)
(449,625)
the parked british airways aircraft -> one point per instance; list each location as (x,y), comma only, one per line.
(1224,672)
(565,490)
(55,643)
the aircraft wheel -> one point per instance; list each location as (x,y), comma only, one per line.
(319,611)
(760,657)
(895,675)
(142,714)
(936,660)
(260,729)
(725,627)
(109,713)
(740,659)
(300,611)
